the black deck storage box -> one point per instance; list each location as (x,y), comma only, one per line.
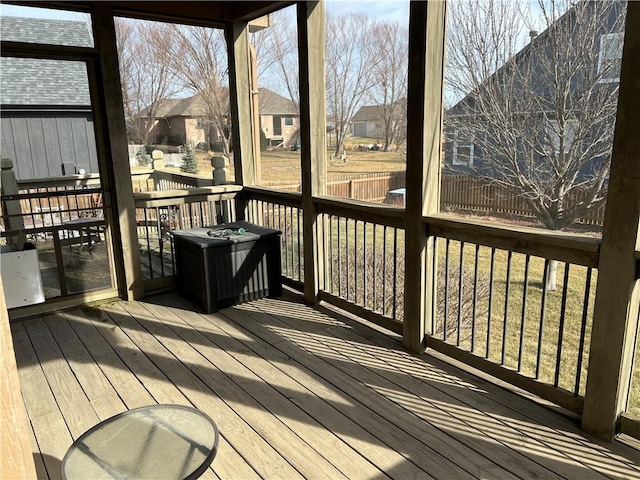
(218,267)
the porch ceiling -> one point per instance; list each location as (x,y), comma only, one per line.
(297,392)
(215,13)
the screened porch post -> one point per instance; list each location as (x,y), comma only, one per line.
(424,133)
(237,35)
(618,294)
(112,145)
(313,155)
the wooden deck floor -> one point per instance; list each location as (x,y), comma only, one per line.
(296,393)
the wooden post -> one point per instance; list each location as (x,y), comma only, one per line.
(313,151)
(16,457)
(424,134)
(618,293)
(111,132)
(11,209)
(240,102)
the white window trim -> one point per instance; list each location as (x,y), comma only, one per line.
(457,145)
(603,39)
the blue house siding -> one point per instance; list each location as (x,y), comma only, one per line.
(530,54)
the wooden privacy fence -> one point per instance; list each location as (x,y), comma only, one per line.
(458,192)
(461,192)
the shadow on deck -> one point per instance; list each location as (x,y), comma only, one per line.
(296,392)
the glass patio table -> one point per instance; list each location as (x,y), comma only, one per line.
(157,441)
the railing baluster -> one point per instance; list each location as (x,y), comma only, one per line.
(346,251)
(364,266)
(375,271)
(563,309)
(460,292)
(474,307)
(355,261)
(299,236)
(489,312)
(384,269)
(339,261)
(543,307)
(395,271)
(506,307)
(446,289)
(525,290)
(434,282)
(583,332)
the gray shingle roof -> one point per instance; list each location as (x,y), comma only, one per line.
(28,81)
(367,112)
(271,103)
(41,30)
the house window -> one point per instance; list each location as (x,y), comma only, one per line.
(610,57)
(463,149)
(288,121)
(556,135)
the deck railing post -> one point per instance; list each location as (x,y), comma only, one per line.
(240,100)
(618,294)
(313,150)
(424,134)
(11,209)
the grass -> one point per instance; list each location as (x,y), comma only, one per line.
(282,167)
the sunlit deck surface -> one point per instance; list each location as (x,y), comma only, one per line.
(296,392)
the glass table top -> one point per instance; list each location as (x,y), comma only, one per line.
(158,441)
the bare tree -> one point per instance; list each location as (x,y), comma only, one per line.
(145,71)
(350,63)
(389,79)
(199,60)
(543,122)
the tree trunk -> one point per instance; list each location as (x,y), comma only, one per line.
(552,275)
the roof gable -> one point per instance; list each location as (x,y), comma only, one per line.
(271,103)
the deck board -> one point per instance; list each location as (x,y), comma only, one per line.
(297,392)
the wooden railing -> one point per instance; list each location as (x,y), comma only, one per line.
(493,307)
(281,211)
(364,260)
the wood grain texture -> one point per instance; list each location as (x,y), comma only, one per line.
(615,314)
(424,138)
(16,459)
(297,392)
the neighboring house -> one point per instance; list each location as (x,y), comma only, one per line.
(367,122)
(182,120)
(279,119)
(464,151)
(385,123)
(46,122)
